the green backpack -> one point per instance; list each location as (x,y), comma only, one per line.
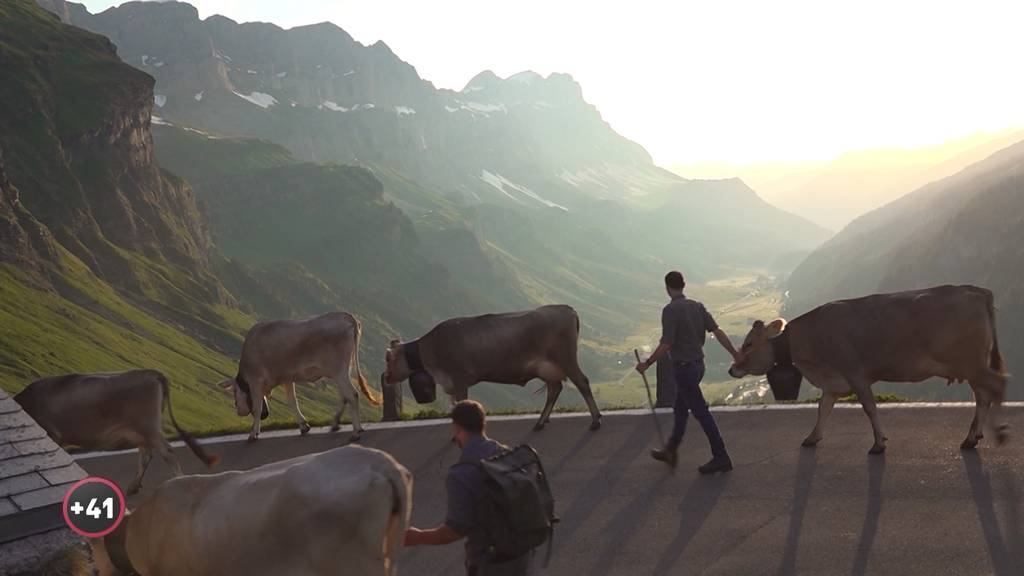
(516,509)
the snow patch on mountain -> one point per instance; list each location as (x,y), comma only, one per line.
(404,110)
(199,95)
(332,106)
(478,108)
(260,99)
(160,100)
(506,187)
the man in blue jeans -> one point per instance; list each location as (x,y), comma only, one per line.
(684,324)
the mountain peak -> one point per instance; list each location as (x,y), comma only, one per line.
(525,77)
(485,79)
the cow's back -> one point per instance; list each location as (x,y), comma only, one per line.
(906,336)
(96,411)
(307,515)
(280,345)
(512,339)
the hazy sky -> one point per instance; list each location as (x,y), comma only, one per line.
(704,81)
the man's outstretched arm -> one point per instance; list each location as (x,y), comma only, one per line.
(438,536)
(723,339)
(660,351)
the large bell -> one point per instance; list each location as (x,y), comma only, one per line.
(785,382)
(424,389)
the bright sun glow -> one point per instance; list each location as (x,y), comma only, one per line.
(725,81)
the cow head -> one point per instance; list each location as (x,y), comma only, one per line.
(422,384)
(757,352)
(398,368)
(243,398)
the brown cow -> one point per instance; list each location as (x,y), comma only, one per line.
(286,352)
(510,348)
(343,511)
(848,345)
(107,411)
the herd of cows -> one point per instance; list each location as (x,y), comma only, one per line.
(842,347)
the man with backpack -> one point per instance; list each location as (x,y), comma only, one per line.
(498,500)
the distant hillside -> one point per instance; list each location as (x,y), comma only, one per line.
(963,229)
(833,193)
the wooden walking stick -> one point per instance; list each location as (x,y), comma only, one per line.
(650,401)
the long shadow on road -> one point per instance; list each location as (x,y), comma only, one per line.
(625,524)
(1004,563)
(806,466)
(597,489)
(698,502)
(876,473)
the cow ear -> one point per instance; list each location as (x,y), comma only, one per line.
(758,325)
(226,384)
(394,343)
(776,327)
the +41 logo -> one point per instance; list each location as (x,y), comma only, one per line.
(94,507)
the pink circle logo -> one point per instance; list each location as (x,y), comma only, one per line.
(93,507)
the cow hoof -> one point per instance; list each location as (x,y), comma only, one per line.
(969,444)
(133,490)
(538,426)
(1001,435)
(355,437)
(252,439)
(595,425)
(304,429)
(877,449)
(335,427)
(810,442)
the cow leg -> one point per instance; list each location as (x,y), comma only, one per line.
(981,407)
(163,447)
(995,387)
(867,401)
(257,409)
(554,389)
(349,397)
(828,400)
(145,456)
(582,383)
(293,401)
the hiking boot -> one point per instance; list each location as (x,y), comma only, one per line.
(667,456)
(717,464)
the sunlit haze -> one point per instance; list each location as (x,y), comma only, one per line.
(734,82)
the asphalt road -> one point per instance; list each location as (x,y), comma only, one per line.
(924,508)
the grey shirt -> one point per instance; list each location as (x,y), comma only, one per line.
(465,484)
(684,324)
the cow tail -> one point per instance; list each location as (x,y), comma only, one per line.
(398,518)
(210,460)
(364,386)
(995,363)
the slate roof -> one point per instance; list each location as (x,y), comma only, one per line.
(35,473)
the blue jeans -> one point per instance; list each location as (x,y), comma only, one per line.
(690,399)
